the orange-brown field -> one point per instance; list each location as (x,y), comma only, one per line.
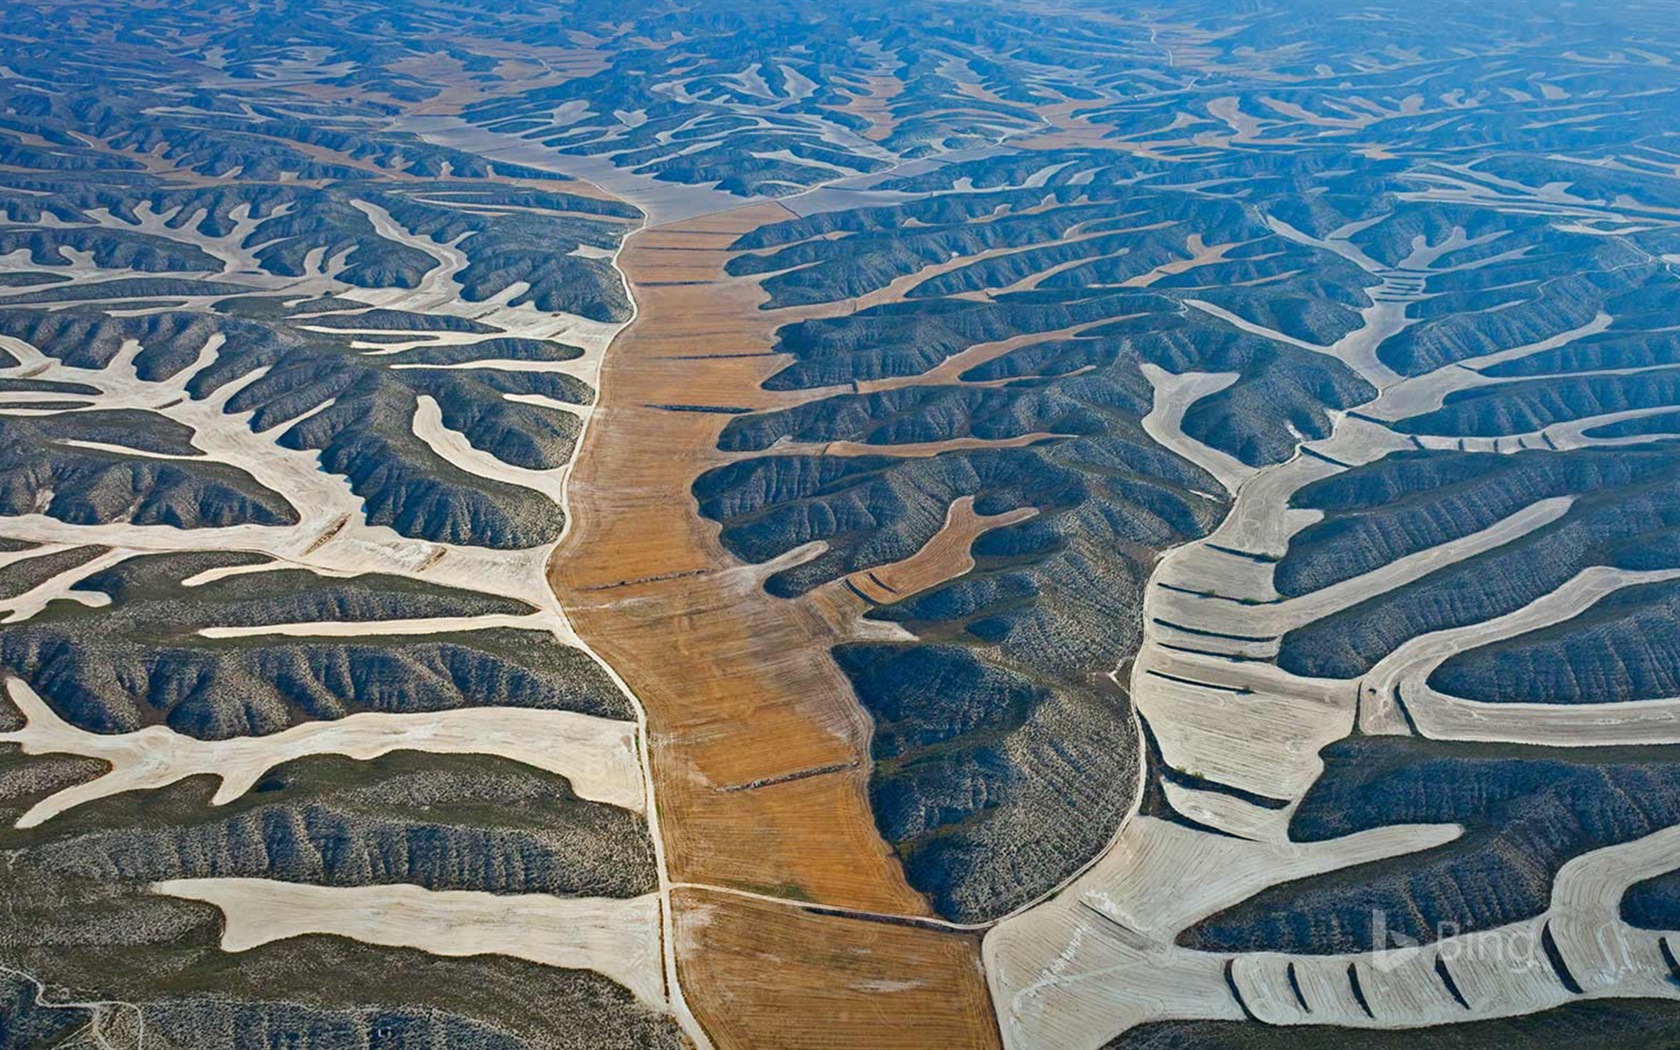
(874,104)
(760,752)
(945,557)
(765,975)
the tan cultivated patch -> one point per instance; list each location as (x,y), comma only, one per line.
(771,976)
(739,686)
(945,557)
(874,104)
(760,751)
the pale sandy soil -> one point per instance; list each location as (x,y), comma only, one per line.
(1174,394)
(1405,673)
(597,755)
(452,445)
(906,450)
(615,938)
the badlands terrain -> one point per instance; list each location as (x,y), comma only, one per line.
(1072,525)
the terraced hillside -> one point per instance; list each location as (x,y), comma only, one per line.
(1077,525)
